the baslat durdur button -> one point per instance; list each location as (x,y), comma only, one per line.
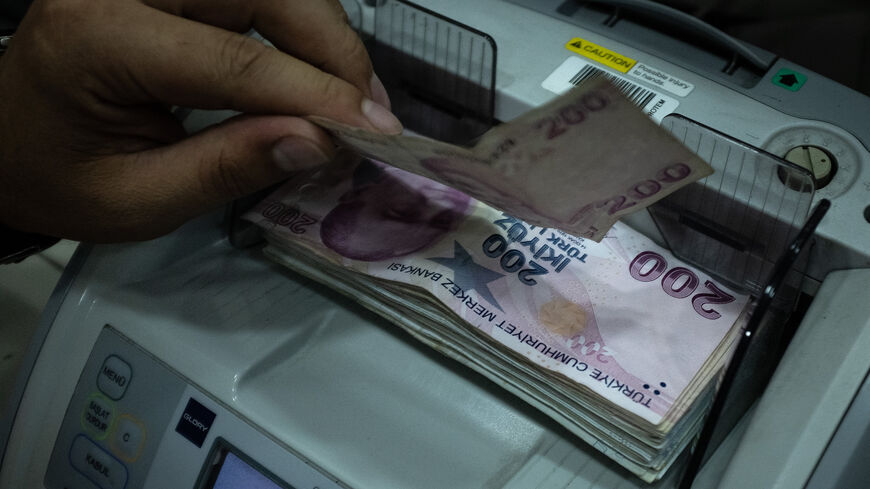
(98,415)
(114,377)
(97,465)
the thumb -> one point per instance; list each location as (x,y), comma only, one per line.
(210,168)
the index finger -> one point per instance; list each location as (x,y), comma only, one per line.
(314,31)
(179,61)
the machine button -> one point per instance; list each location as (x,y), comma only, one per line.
(98,415)
(114,377)
(817,160)
(129,438)
(96,464)
(789,79)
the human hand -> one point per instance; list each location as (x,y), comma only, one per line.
(88,147)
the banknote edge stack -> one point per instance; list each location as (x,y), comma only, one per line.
(362,289)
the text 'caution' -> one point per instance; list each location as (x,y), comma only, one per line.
(602,55)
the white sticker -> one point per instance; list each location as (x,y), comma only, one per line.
(659,78)
(574,70)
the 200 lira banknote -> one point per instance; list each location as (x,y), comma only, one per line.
(577,163)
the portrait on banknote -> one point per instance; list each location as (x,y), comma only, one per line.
(388,213)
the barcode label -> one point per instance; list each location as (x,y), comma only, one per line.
(637,94)
(574,71)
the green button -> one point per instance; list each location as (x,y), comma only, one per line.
(789,79)
(98,415)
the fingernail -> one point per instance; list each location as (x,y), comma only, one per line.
(380,117)
(379,93)
(294,153)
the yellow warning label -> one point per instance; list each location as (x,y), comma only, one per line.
(602,55)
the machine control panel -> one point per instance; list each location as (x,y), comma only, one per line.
(123,398)
(133,423)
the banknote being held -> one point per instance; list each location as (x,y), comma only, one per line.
(618,341)
(577,163)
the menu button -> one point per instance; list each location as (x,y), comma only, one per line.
(114,377)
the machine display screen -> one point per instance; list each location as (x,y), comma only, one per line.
(236,473)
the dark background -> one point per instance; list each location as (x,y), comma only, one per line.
(831,37)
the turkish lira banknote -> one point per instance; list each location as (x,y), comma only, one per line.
(576,163)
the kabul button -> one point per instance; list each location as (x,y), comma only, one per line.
(97,465)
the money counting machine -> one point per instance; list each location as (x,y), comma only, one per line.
(191,361)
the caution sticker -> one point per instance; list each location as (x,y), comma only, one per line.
(661,79)
(601,54)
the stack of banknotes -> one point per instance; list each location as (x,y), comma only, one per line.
(579,315)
